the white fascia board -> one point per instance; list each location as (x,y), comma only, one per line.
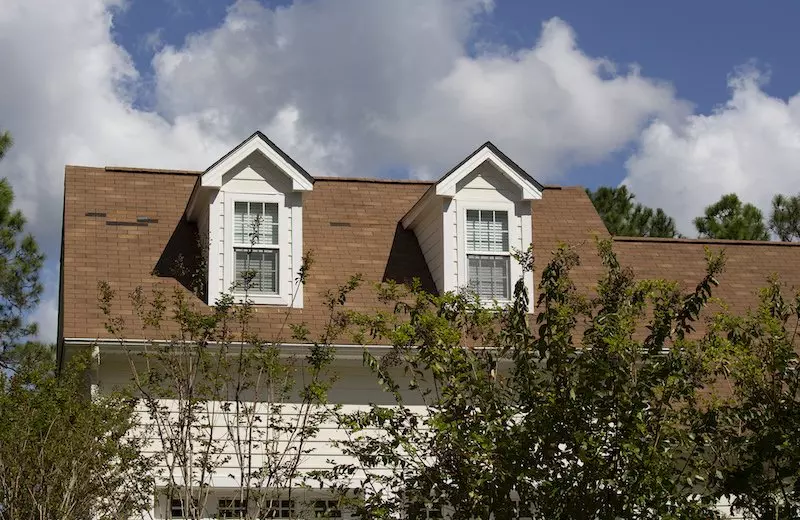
(213,177)
(198,202)
(343,351)
(447,187)
(410,219)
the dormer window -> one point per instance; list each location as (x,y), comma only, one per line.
(256,247)
(469,221)
(249,204)
(488,255)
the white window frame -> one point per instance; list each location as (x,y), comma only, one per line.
(514,241)
(282,297)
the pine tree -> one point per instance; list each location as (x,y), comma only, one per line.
(624,217)
(20,263)
(785,218)
(729,218)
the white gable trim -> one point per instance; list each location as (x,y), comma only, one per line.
(212,178)
(447,186)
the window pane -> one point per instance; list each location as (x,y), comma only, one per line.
(176,508)
(240,223)
(255,223)
(489,276)
(280,509)
(257,271)
(232,508)
(487,230)
(326,509)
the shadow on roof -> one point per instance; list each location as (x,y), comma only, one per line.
(407,262)
(182,259)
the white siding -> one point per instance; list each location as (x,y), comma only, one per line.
(355,389)
(429,235)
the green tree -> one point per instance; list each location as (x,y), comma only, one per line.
(729,218)
(758,427)
(624,217)
(20,263)
(223,400)
(785,218)
(578,416)
(64,455)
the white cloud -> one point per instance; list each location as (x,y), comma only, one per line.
(396,85)
(750,146)
(352,87)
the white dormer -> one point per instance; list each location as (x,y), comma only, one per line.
(250,206)
(472,219)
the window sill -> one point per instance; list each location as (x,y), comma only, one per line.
(262,299)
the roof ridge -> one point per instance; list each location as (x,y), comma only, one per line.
(374,179)
(718,241)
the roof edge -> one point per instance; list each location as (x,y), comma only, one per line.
(710,241)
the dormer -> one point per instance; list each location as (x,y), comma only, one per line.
(470,222)
(249,204)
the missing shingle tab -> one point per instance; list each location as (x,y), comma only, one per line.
(147,220)
(95,214)
(340,224)
(120,223)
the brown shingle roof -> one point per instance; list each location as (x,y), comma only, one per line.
(122,224)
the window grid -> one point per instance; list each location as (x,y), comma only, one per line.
(327,509)
(281,509)
(256,247)
(176,508)
(232,508)
(488,258)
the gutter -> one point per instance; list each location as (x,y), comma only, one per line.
(343,351)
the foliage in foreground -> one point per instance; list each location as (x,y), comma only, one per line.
(761,425)
(223,400)
(62,454)
(604,408)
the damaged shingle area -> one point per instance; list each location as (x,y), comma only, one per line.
(95,214)
(140,221)
(121,223)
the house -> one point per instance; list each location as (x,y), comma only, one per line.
(129,226)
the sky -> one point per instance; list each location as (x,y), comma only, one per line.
(681,101)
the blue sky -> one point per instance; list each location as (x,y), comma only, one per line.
(693,45)
(681,101)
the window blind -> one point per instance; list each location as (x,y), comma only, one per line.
(487,231)
(257,270)
(487,271)
(255,223)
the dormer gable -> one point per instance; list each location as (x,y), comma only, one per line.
(249,205)
(489,155)
(259,144)
(472,220)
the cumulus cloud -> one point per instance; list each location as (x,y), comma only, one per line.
(750,146)
(397,85)
(352,87)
